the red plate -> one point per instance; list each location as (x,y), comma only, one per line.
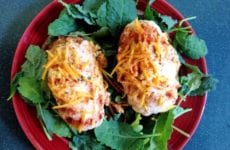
(36,33)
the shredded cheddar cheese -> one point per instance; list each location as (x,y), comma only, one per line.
(143,57)
(137,54)
(69,70)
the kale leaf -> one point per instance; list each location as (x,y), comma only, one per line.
(165,22)
(27,81)
(53,123)
(101,13)
(163,127)
(208,83)
(191,45)
(86,142)
(136,123)
(190,82)
(35,59)
(120,136)
(30,89)
(179,111)
(77,12)
(92,5)
(196,82)
(63,25)
(14,85)
(116,14)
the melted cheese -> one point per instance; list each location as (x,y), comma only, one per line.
(67,60)
(141,63)
(135,52)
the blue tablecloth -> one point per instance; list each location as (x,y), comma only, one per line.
(212,24)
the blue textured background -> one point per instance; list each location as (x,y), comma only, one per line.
(212,24)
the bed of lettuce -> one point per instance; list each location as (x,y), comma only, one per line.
(102,21)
